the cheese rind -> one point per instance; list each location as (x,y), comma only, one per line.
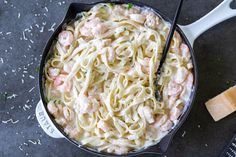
(223,104)
(231,95)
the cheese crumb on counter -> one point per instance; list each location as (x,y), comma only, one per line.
(223,104)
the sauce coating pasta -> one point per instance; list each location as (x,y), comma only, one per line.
(100,82)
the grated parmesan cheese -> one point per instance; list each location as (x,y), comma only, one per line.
(12,96)
(32,77)
(20,147)
(33,142)
(41,30)
(46,9)
(52,27)
(24,37)
(31,41)
(31,89)
(10,120)
(183,134)
(26,144)
(39,142)
(1,59)
(29,117)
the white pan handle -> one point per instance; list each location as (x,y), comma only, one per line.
(220,13)
(45,122)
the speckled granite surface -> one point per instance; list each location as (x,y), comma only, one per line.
(26,25)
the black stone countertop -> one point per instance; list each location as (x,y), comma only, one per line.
(26,25)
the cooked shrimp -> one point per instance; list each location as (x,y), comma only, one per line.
(103,125)
(65,38)
(85,31)
(187,84)
(59,80)
(181,75)
(137,18)
(93,27)
(60,85)
(174,89)
(99,29)
(92,22)
(152,20)
(64,88)
(167,125)
(148,114)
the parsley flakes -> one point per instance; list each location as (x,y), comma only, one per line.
(130,5)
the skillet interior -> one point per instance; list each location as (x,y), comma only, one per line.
(158,148)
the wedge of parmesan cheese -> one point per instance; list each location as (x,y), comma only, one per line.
(223,104)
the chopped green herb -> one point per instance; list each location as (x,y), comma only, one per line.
(37,69)
(110,5)
(130,5)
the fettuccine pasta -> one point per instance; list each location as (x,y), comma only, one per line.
(100,81)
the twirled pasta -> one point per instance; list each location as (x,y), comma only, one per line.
(100,81)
